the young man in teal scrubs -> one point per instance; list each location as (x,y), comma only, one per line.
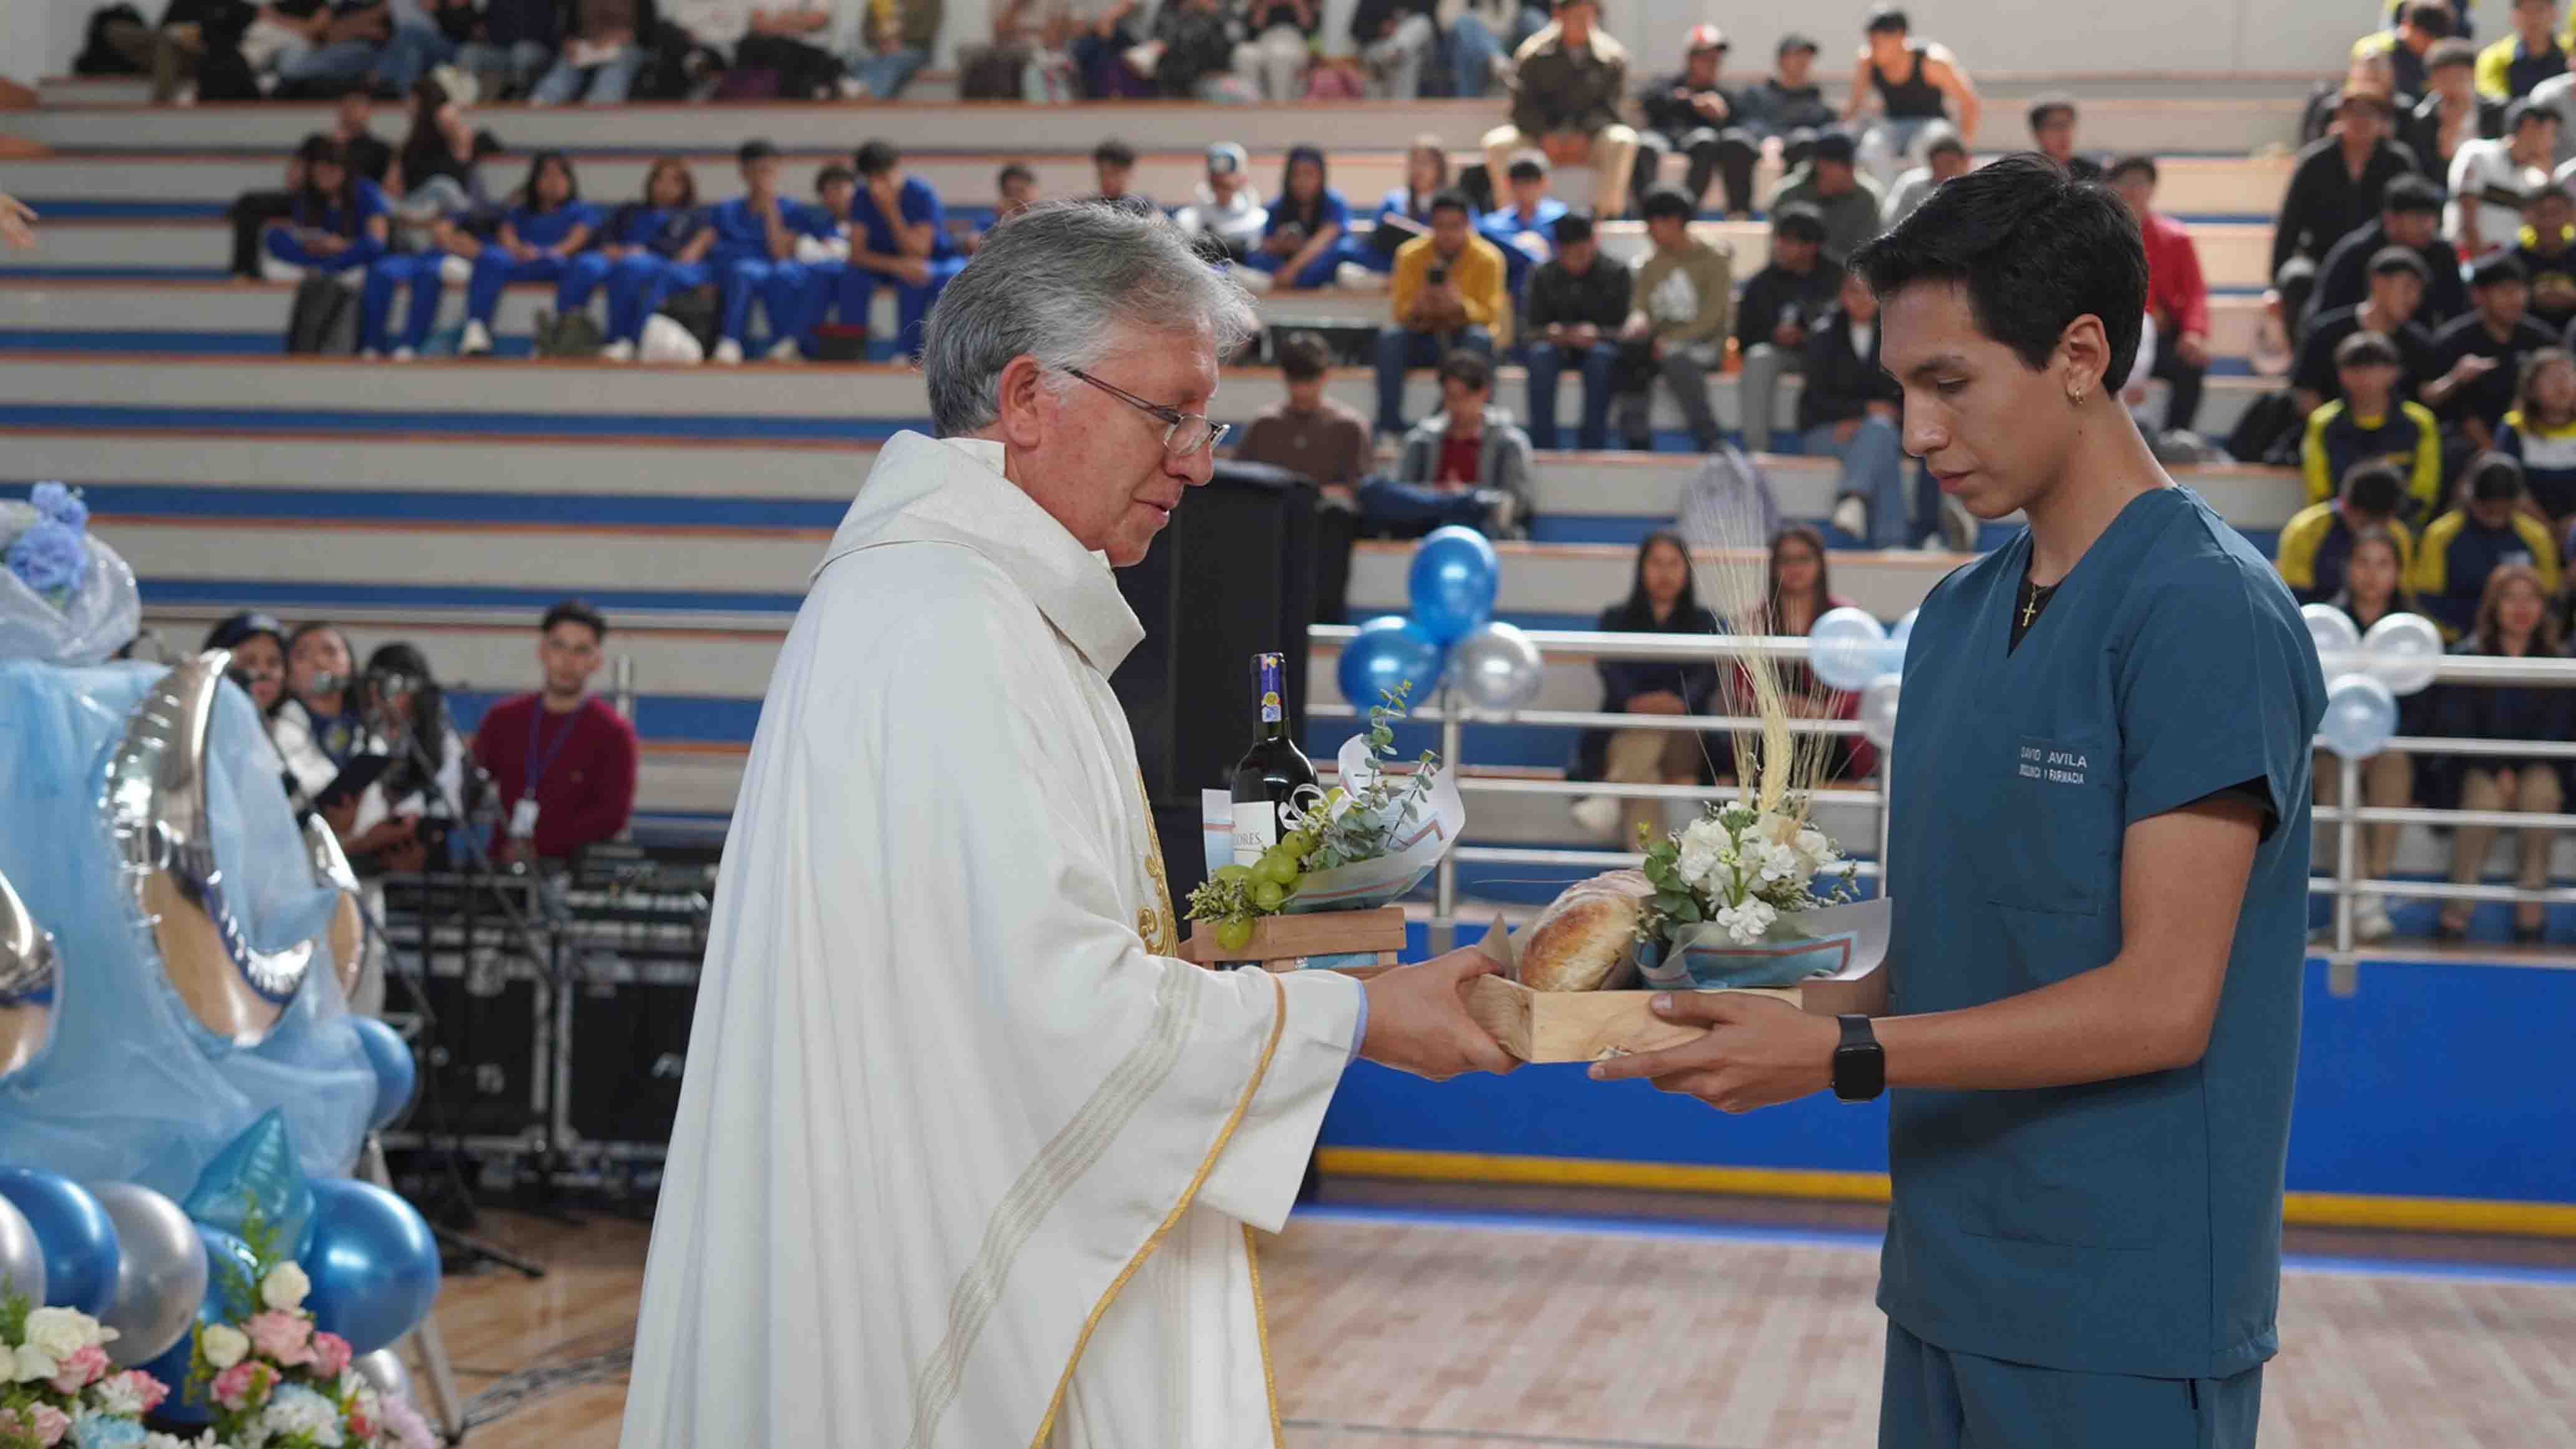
(2099,867)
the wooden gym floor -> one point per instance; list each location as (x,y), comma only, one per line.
(1395,1330)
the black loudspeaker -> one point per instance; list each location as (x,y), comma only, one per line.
(1231,576)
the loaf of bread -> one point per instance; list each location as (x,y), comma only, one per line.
(1585,939)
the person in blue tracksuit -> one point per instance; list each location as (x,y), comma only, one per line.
(1301,247)
(648,249)
(898,236)
(753,257)
(339,217)
(1523,227)
(537,242)
(2089,1011)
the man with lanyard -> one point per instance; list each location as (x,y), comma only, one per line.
(2099,864)
(562,761)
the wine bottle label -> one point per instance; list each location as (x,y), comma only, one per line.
(1272,712)
(1256,829)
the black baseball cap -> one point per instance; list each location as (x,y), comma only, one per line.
(1796,40)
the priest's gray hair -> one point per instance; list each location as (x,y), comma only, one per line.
(1064,283)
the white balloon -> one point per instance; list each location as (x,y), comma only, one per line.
(2402,651)
(2361,717)
(22,1258)
(1497,667)
(1843,648)
(1878,710)
(160,1272)
(2337,638)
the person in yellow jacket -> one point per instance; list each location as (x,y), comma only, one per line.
(1449,294)
(2317,541)
(2371,421)
(2490,529)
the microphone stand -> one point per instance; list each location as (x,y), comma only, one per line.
(484,876)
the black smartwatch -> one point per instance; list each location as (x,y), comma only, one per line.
(1860,1068)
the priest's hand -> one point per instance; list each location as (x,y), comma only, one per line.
(1759,1051)
(1418,1019)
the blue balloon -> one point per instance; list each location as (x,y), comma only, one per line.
(1891,656)
(373,1263)
(1843,649)
(232,1294)
(1453,582)
(396,1073)
(258,1169)
(2360,719)
(78,1237)
(1389,650)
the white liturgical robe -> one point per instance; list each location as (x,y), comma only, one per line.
(965,1157)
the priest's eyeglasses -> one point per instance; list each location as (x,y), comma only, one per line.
(1184,434)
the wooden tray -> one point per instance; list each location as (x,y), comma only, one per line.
(1283,943)
(1583,1026)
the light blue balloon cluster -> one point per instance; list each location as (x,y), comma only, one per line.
(2366,673)
(1452,584)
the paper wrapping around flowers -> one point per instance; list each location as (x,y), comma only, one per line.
(1845,940)
(100,617)
(1429,828)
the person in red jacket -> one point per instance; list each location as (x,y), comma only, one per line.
(561,760)
(2177,297)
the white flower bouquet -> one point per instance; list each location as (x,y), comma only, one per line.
(60,1388)
(1736,902)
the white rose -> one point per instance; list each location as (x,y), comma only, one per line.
(31,1363)
(284,1288)
(224,1344)
(60,1332)
(1745,924)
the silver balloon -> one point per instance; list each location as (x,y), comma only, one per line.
(160,1272)
(29,970)
(1878,710)
(156,807)
(2403,651)
(22,1258)
(385,1369)
(1497,667)
(347,935)
(2337,638)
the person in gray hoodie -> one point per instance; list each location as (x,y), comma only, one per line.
(1469,463)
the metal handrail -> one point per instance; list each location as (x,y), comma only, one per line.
(2344,885)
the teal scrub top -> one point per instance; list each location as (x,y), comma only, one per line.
(2133,1226)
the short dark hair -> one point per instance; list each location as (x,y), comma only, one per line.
(1799,220)
(2545,191)
(1946,140)
(1835,144)
(574,611)
(2495,478)
(2388,261)
(1664,200)
(2497,268)
(1450,198)
(2443,54)
(2372,489)
(2410,193)
(2048,104)
(1472,369)
(1303,356)
(1886,18)
(1574,226)
(1113,152)
(876,158)
(835,172)
(1013,171)
(2135,161)
(2426,15)
(1528,166)
(2296,272)
(755,149)
(2523,110)
(2366,349)
(2033,250)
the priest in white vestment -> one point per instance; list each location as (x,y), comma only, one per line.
(965,1157)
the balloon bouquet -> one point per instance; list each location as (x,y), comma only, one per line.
(179,1071)
(1848,650)
(2366,673)
(1451,636)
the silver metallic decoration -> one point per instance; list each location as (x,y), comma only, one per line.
(22,1258)
(160,1272)
(346,936)
(156,803)
(385,1369)
(29,971)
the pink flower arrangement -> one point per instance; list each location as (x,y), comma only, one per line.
(281,1336)
(243,1385)
(85,1367)
(331,1355)
(49,1423)
(54,1371)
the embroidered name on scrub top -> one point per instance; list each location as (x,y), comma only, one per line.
(2041,760)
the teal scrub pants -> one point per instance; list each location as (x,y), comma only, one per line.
(1936,1399)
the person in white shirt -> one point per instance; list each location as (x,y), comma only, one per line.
(1226,221)
(2490,179)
